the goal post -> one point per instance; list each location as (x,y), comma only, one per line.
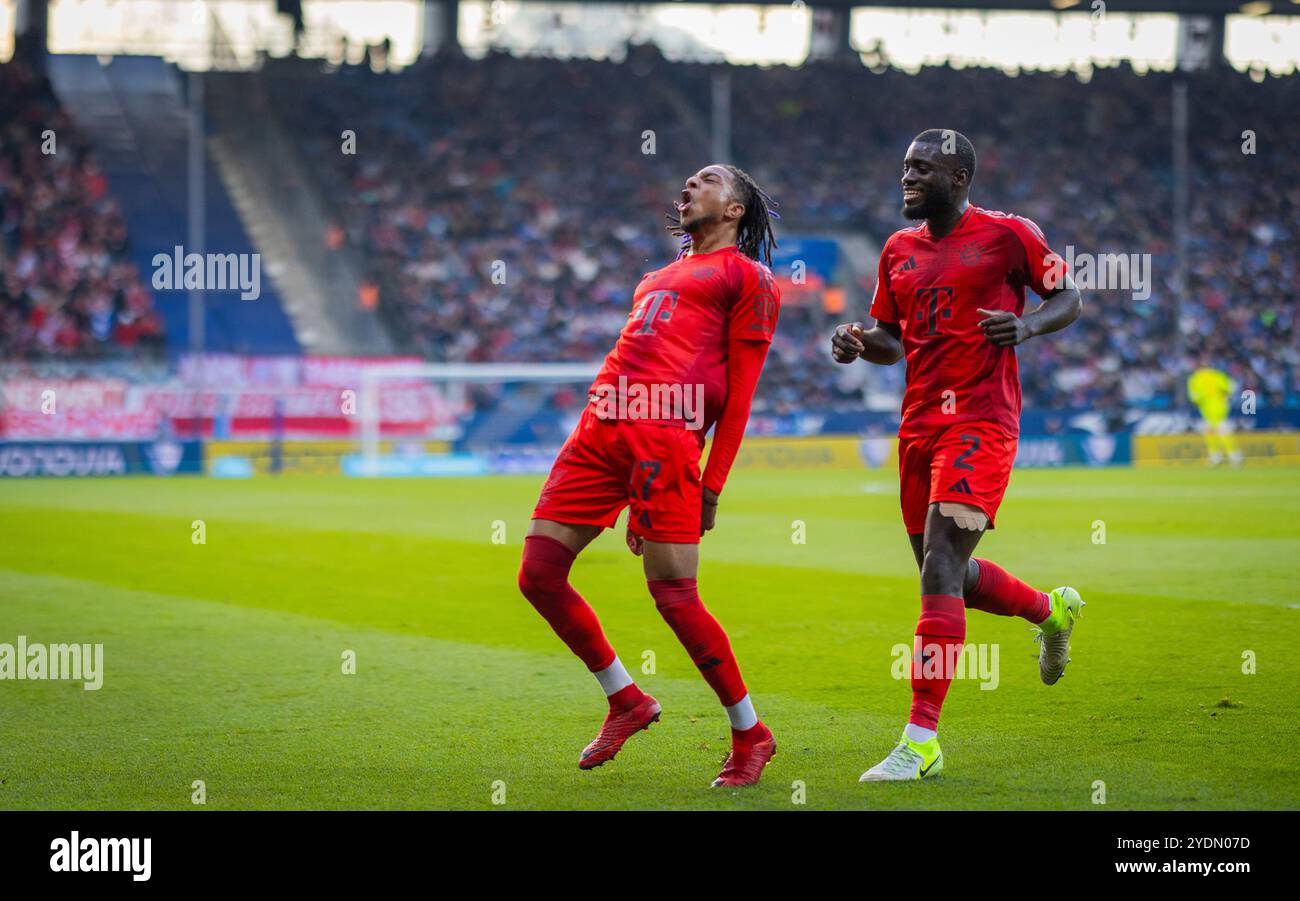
(373,379)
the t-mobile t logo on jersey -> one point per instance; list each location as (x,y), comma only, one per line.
(657,306)
(933,304)
(103,855)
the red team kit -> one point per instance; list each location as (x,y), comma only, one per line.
(707,321)
(961,407)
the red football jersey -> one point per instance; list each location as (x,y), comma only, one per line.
(682,317)
(933,289)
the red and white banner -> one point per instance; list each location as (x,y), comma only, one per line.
(231,371)
(252,403)
(79,424)
(52,395)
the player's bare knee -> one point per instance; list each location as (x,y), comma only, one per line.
(941,571)
(670,560)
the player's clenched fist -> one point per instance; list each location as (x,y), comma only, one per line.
(1004,328)
(846,343)
(635,543)
(708,511)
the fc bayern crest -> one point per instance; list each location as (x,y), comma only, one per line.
(972,252)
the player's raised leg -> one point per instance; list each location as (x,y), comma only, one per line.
(992,589)
(671,570)
(549,551)
(978,465)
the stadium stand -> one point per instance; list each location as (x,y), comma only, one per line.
(543,167)
(133,112)
(535,162)
(69,285)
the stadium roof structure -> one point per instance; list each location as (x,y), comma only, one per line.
(1204,7)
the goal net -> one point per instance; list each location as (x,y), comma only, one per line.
(455,379)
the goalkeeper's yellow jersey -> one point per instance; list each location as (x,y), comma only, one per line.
(1210,389)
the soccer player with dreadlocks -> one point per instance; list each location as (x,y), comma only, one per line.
(700,327)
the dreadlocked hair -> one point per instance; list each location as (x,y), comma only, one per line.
(754,236)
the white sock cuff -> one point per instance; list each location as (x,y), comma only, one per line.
(918,733)
(613,678)
(742,714)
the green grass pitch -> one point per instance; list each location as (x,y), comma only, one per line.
(223,660)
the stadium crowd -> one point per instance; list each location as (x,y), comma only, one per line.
(67,286)
(511,204)
(506,208)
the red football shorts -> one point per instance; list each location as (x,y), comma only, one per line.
(607,465)
(966,463)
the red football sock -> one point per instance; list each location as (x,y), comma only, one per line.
(679,604)
(544,580)
(997,591)
(626,697)
(751,736)
(940,633)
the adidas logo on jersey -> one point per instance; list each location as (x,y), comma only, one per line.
(961,486)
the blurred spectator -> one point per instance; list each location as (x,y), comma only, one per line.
(368,294)
(67,285)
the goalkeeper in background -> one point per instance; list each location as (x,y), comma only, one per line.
(1210,389)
